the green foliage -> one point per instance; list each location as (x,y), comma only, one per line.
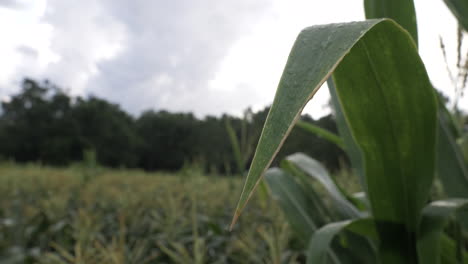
(66,127)
(242,148)
(54,216)
(328,45)
(165,135)
(434,218)
(389,118)
(323,133)
(107,129)
(236,149)
(37,126)
(463,142)
(402,11)
(459,9)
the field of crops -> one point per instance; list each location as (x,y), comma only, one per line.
(90,215)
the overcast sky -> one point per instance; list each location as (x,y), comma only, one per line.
(204,56)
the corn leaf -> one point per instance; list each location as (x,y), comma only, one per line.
(451,166)
(392,116)
(294,202)
(435,215)
(319,246)
(324,45)
(448,249)
(236,149)
(459,9)
(402,11)
(322,133)
(356,249)
(463,143)
(314,169)
(388,104)
(317,51)
(350,146)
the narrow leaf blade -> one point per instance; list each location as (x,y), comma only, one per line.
(320,132)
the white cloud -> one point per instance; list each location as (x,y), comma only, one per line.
(84,34)
(207,56)
(185,40)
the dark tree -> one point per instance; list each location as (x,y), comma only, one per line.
(43,123)
(169,140)
(108,130)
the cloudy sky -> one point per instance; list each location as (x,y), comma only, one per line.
(205,56)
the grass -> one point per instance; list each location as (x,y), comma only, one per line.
(92,215)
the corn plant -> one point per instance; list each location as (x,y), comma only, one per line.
(55,215)
(395,131)
(242,146)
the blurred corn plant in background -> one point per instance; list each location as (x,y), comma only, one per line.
(51,215)
(399,136)
(242,142)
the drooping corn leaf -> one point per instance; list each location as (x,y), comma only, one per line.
(388,104)
(315,54)
(459,9)
(320,132)
(435,215)
(351,248)
(402,11)
(319,246)
(323,213)
(314,169)
(295,203)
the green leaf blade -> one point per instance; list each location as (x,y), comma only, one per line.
(294,202)
(319,246)
(320,132)
(300,81)
(435,215)
(315,170)
(351,148)
(389,106)
(402,11)
(452,170)
(451,166)
(393,122)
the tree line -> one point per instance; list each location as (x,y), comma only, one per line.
(42,123)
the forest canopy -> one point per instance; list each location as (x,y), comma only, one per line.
(42,123)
